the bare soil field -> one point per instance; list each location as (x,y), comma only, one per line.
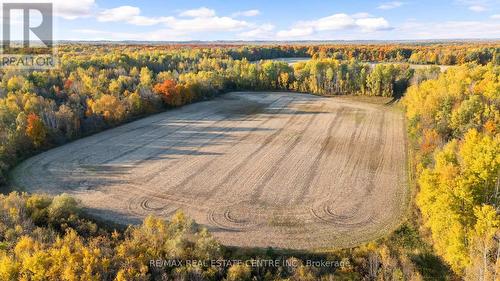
(281,170)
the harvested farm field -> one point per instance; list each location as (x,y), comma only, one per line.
(283,170)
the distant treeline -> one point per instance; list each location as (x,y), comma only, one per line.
(438,54)
(429,54)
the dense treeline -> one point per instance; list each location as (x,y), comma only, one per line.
(44,238)
(424,53)
(454,121)
(416,54)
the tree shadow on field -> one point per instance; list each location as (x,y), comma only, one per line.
(109,163)
(107,158)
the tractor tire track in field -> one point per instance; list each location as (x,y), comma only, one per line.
(282,170)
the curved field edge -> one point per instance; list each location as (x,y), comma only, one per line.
(290,110)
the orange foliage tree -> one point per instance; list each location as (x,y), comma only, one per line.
(169,92)
(35,129)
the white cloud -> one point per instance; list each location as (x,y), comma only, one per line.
(373,24)
(265,31)
(361,15)
(130,15)
(122,13)
(202,12)
(333,22)
(295,32)
(197,20)
(338,22)
(249,13)
(477,8)
(390,5)
(205,24)
(74,9)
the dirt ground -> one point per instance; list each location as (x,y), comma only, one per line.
(281,170)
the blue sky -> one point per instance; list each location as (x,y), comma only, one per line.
(172,20)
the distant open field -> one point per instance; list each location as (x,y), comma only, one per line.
(258,169)
(293,61)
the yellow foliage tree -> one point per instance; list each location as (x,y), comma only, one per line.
(110,107)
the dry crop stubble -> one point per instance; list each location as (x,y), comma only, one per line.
(280,170)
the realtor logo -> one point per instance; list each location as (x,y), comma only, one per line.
(27,36)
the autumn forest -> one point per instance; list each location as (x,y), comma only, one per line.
(451,226)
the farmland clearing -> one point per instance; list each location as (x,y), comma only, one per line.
(282,170)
